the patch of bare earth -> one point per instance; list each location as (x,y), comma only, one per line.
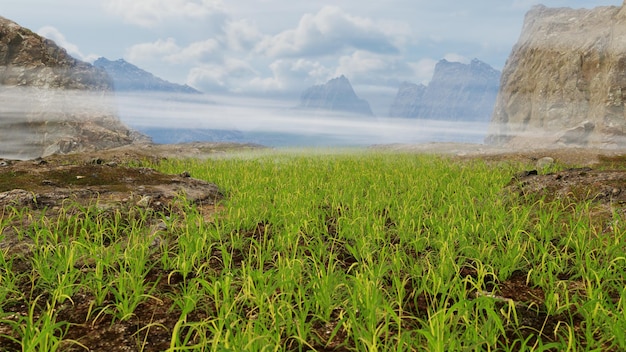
(60,186)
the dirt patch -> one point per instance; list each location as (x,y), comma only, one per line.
(61,186)
(49,183)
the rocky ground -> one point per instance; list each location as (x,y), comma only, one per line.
(584,174)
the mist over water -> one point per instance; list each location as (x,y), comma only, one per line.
(31,119)
(277,123)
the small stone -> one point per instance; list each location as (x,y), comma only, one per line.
(545,162)
(185,174)
(523,174)
(144,202)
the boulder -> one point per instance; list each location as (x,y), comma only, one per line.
(565,80)
(51,102)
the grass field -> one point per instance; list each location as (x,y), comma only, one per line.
(354,251)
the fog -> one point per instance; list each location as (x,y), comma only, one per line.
(33,121)
(278,123)
(36,122)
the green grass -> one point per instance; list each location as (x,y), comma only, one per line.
(346,252)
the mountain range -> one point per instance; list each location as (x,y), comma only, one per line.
(457,92)
(128,77)
(336,95)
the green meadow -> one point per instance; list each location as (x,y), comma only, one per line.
(357,251)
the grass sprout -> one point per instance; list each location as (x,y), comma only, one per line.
(359,251)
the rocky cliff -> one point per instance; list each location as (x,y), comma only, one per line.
(337,95)
(51,102)
(128,77)
(565,80)
(408,101)
(457,92)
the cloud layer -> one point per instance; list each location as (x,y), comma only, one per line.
(280,47)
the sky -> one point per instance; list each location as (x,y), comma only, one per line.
(277,48)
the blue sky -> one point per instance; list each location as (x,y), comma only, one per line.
(277,48)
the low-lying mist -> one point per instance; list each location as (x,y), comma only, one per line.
(31,119)
(275,123)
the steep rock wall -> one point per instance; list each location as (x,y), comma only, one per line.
(337,95)
(457,92)
(565,80)
(50,102)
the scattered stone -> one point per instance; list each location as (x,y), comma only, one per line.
(524,174)
(144,202)
(545,163)
(51,183)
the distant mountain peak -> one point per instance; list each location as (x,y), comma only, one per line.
(128,77)
(335,95)
(457,92)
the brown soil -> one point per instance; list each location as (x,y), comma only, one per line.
(101,177)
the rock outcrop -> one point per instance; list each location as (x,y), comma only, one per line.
(128,77)
(50,102)
(337,95)
(565,80)
(408,101)
(457,92)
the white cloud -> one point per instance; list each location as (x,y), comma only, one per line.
(241,35)
(328,32)
(198,52)
(149,13)
(363,67)
(58,37)
(225,76)
(361,62)
(453,57)
(150,51)
(424,70)
(169,51)
(290,76)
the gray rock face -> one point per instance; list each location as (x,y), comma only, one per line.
(457,92)
(50,102)
(565,80)
(337,95)
(128,77)
(409,100)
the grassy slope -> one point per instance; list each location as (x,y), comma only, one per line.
(368,251)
